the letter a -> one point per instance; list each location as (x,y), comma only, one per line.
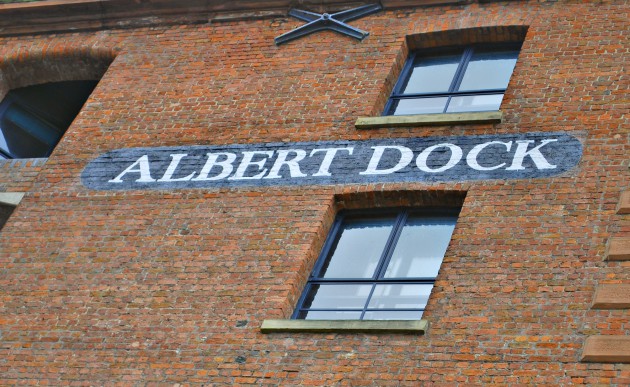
(141,166)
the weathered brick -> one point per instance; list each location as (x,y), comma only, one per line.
(171,286)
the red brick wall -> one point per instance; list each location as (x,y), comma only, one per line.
(172,286)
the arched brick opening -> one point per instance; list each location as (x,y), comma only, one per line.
(466,36)
(32,83)
(37,67)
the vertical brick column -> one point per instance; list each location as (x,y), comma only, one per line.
(612,348)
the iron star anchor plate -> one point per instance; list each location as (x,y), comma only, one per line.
(335,22)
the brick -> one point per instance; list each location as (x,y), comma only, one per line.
(171,286)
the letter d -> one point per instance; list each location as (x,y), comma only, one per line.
(406,155)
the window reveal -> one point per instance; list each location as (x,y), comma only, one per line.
(378,266)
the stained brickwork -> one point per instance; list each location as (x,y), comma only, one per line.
(171,286)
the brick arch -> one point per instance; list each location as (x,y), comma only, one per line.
(465,36)
(61,64)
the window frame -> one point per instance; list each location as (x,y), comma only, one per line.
(466,55)
(401,215)
(5,103)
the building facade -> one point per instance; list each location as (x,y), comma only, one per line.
(325,192)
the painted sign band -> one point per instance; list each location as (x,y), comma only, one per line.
(426,159)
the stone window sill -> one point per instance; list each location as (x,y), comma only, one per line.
(429,119)
(11,198)
(342,326)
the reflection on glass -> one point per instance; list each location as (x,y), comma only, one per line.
(23,135)
(3,142)
(329,315)
(421,247)
(400,296)
(489,70)
(393,315)
(359,249)
(420,106)
(475,103)
(432,75)
(342,296)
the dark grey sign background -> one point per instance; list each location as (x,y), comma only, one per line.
(564,153)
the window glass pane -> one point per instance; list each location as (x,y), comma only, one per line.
(489,70)
(421,247)
(3,142)
(393,315)
(475,103)
(342,296)
(33,118)
(358,249)
(329,315)
(432,74)
(419,106)
(400,296)
(23,135)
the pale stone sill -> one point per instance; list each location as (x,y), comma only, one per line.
(11,198)
(429,119)
(342,326)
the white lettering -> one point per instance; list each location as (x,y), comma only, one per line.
(143,169)
(168,175)
(328,159)
(247,162)
(456,155)
(471,158)
(406,155)
(534,153)
(226,166)
(294,167)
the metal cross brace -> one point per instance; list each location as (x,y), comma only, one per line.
(325,21)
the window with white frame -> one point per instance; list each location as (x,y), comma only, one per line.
(378,265)
(453,80)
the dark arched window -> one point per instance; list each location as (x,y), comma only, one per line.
(34,118)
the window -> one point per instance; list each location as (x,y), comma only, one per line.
(33,119)
(379,265)
(464,79)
